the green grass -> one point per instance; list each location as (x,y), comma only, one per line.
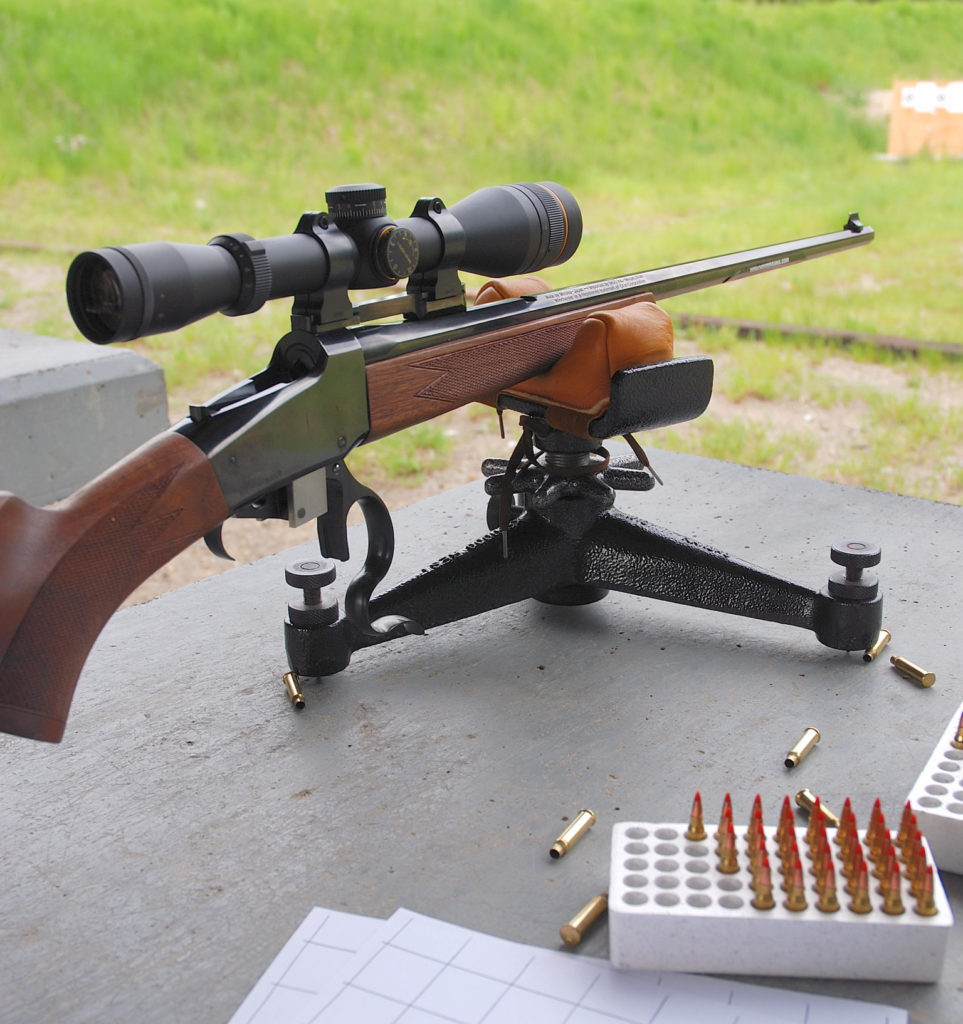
(772,373)
(783,451)
(685,128)
(408,455)
(871,417)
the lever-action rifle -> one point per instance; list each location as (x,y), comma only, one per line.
(273,446)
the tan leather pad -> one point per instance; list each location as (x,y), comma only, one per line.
(577,388)
(606,342)
(509,288)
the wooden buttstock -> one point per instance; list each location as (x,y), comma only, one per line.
(65,570)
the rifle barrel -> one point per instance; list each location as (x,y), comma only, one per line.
(388,342)
(698,274)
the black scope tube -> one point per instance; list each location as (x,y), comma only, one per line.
(120,293)
(124,292)
(518,229)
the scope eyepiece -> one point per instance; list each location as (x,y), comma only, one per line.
(124,292)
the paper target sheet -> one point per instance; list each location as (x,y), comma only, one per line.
(339,968)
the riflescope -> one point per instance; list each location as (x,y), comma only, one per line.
(126,292)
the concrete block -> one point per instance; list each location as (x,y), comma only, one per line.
(191,817)
(70,409)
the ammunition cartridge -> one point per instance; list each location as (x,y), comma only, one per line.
(957,741)
(806,799)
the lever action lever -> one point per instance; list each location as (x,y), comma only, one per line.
(343,491)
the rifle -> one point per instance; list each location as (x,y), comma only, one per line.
(273,446)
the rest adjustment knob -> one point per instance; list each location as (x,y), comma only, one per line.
(316,606)
(854,584)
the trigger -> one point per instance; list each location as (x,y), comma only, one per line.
(215,543)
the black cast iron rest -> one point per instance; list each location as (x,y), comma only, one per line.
(562,541)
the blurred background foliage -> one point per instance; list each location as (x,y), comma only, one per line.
(685,129)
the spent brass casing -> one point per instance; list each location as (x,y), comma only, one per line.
(806,799)
(802,746)
(909,670)
(573,931)
(577,828)
(293,686)
(881,641)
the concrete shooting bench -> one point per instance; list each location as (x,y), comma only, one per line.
(68,410)
(156,861)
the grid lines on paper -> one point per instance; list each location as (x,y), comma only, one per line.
(414,969)
(482,980)
(307,970)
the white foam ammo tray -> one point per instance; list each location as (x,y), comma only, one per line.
(937,800)
(671,908)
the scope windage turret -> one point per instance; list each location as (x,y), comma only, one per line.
(125,292)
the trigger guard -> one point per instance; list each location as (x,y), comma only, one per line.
(377,561)
(343,492)
(390,627)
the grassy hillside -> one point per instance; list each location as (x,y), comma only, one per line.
(533,87)
(685,128)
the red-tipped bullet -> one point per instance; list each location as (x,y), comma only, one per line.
(697,830)
(860,903)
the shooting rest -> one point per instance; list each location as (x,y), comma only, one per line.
(567,543)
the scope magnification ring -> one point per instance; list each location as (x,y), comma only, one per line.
(255,270)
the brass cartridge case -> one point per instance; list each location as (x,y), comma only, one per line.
(881,641)
(293,687)
(802,746)
(806,799)
(573,931)
(577,828)
(909,670)
(957,741)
